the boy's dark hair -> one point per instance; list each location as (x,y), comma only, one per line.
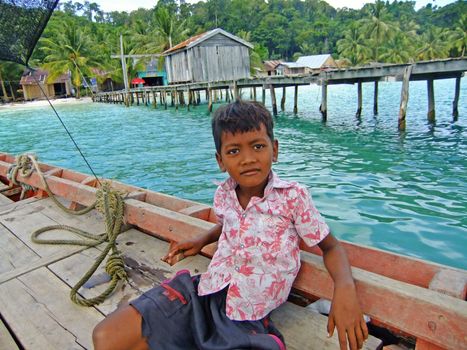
(241,116)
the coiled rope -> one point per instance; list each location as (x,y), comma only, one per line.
(110,203)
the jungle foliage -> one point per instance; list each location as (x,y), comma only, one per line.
(81,35)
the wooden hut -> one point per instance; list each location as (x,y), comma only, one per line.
(215,55)
(60,87)
(270,67)
(307,64)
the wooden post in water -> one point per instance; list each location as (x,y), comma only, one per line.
(154,99)
(455,111)
(295,99)
(375,99)
(431,101)
(227,95)
(323,108)
(254,93)
(359,108)
(137,98)
(273,100)
(404,97)
(263,98)
(236,91)
(209,96)
(283,99)
(198,97)
(175,97)
(181,95)
(189,100)
(165,98)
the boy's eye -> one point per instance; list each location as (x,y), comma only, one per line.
(259,146)
(233,151)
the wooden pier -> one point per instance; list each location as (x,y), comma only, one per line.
(186,95)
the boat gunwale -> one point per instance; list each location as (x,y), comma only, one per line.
(382,297)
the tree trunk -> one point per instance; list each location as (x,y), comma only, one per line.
(5,95)
(13,97)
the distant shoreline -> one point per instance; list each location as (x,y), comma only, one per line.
(43,103)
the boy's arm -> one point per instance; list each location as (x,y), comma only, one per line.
(192,246)
(345,314)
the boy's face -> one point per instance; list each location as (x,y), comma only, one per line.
(248,157)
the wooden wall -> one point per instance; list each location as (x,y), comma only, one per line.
(215,59)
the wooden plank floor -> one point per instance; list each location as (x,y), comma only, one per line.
(35,281)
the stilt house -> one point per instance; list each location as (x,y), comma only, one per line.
(307,65)
(61,87)
(215,55)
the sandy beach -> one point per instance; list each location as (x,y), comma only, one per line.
(42,103)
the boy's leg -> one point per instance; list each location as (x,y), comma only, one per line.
(120,330)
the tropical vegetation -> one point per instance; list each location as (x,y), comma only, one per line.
(81,38)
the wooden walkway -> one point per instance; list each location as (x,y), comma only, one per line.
(35,282)
(190,93)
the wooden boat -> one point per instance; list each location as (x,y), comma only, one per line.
(421,302)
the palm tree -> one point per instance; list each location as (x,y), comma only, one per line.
(69,50)
(2,83)
(354,46)
(377,26)
(433,45)
(458,37)
(168,28)
(397,49)
(9,71)
(255,55)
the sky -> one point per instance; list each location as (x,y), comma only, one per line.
(123,5)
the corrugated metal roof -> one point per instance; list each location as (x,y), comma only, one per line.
(271,65)
(41,75)
(195,40)
(292,65)
(313,62)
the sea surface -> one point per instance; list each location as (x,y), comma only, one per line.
(405,192)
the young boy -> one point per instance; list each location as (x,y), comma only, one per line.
(261,219)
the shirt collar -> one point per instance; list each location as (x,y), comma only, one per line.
(273,182)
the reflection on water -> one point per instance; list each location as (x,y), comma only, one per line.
(404,192)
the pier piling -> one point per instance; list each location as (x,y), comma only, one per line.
(323,108)
(431,101)
(360,100)
(295,99)
(455,111)
(283,99)
(273,100)
(404,97)
(375,99)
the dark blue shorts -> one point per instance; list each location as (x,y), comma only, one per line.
(176,318)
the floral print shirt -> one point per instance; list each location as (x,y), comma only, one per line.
(258,253)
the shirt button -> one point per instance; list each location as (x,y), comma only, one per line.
(237,268)
(244,215)
(242,246)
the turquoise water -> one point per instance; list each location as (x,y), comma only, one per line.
(403,192)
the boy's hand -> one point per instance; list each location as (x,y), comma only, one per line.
(347,317)
(179,251)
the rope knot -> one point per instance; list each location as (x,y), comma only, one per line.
(115,266)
